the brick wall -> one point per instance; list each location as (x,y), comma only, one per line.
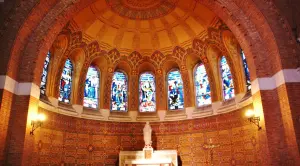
(30,27)
(64,139)
(5,111)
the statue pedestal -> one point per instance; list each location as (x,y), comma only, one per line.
(148,153)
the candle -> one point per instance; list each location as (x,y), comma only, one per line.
(210,141)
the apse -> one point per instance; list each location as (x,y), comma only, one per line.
(125,65)
(157,82)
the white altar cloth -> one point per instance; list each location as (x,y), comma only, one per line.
(148,161)
(159,157)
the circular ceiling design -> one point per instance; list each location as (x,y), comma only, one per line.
(177,27)
(142,9)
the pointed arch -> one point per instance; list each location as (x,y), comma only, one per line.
(119,91)
(92,88)
(45,74)
(65,87)
(227,81)
(202,86)
(175,90)
(147,92)
(246,70)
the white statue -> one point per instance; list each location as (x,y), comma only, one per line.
(147,135)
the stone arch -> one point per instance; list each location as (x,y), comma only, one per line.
(121,65)
(192,59)
(98,60)
(57,51)
(232,47)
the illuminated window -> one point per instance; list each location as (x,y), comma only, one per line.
(227,81)
(44,74)
(175,91)
(91,89)
(119,92)
(147,93)
(246,69)
(202,86)
(66,82)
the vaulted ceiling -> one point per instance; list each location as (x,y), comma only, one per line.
(144,25)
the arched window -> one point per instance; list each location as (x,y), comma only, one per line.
(246,69)
(66,82)
(202,87)
(91,89)
(227,82)
(175,91)
(44,74)
(147,93)
(119,92)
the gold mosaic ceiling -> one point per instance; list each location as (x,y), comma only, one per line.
(144,25)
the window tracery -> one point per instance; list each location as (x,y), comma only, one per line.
(175,91)
(227,81)
(119,96)
(202,86)
(66,82)
(147,93)
(45,74)
(246,69)
(91,90)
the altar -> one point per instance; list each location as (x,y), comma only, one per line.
(159,158)
(148,156)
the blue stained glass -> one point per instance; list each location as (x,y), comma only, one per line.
(175,91)
(119,92)
(66,82)
(202,86)
(44,74)
(91,90)
(147,93)
(228,87)
(247,73)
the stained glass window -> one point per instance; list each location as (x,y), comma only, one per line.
(44,74)
(147,93)
(119,92)
(175,91)
(66,82)
(247,73)
(202,86)
(91,89)
(227,82)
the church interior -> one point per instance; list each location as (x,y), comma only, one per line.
(217,80)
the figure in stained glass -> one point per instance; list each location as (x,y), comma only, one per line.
(44,74)
(175,91)
(202,86)
(119,92)
(147,93)
(66,82)
(247,73)
(227,81)
(91,90)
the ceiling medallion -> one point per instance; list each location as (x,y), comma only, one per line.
(142,9)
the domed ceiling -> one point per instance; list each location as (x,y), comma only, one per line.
(144,25)
(142,10)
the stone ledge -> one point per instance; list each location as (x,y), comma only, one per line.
(135,116)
